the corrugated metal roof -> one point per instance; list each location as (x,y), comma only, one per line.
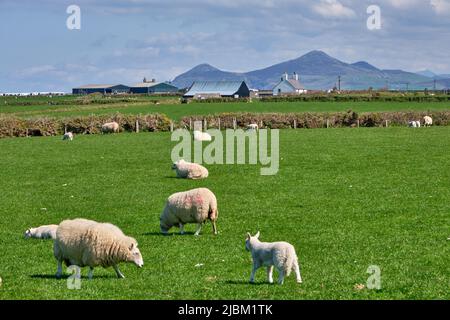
(96,86)
(145,84)
(224,88)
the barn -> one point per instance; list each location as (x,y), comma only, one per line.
(224,89)
(289,85)
(151,87)
(101,88)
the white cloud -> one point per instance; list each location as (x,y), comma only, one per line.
(441,7)
(333,9)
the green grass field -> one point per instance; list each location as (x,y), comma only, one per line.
(176,111)
(346,199)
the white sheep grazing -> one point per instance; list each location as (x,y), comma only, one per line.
(189,170)
(412,124)
(84,243)
(202,136)
(194,206)
(428,121)
(253,126)
(279,254)
(68,136)
(111,127)
(42,232)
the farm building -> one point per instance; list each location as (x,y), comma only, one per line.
(101,88)
(289,86)
(218,89)
(149,87)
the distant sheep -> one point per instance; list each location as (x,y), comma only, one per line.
(189,170)
(42,232)
(253,126)
(279,254)
(84,243)
(111,127)
(414,124)
(194,206)
(202,136)
(68,136)
(428,121)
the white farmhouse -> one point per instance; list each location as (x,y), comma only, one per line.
(289,86)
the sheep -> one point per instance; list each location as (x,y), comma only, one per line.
(84,243)
(253,126)
(428,121)
(68,136)
(194,206)
(414,124)
(202,136)
(190,170)
(42,232)
(279,254)
(111,127)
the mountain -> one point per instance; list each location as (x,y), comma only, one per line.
(317,70)
(427,73)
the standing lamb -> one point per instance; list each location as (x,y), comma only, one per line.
(279,254)
(189,170)
(202,136)
(253,126)
(110,127)
(428,121)
(194,206)
(42,232)
(68,136)
(84,243)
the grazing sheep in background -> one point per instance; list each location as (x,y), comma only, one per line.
(111,127)
(279,254)
(190,170)
(194,206)
(428,121)
(253,126)
(412,124)
(202,136)
(42,232)
(68,136)
(84,243)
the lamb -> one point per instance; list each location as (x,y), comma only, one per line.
(279,254)
(42,232)
(414,124)
(253,126)
(202,136)
(428,121)
(110,127)
(190,170)
(194,206)
(84,243)
(68,136)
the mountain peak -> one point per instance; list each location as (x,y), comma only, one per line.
(365,65)
(204,67)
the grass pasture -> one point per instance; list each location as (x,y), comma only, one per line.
(346,199)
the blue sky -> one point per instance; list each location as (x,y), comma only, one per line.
(123,41)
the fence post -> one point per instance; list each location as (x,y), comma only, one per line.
(137,126)
(171,126)
(328,123)
(387,123)
(357,121)
(261,124)
(205,125)
(234,124)
(218,121)
(190,124)
(295,123)
(65,129)
(26,133)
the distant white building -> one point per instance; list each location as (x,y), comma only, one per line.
(289,86)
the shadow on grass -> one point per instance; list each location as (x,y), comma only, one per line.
(247,283)
(159,234)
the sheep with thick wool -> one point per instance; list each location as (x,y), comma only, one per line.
(86,243)
(190,170)
(42,232)
(202,136)
(282,255)
(428,121)
(110,127)
(68,136)
(194,206)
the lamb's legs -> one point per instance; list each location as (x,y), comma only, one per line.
(181,228)
(214,227)
(281,277)
(119,274)
(199,228)
(59,270)
(254,269)
(297,272)
(270,274)
(91,273)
